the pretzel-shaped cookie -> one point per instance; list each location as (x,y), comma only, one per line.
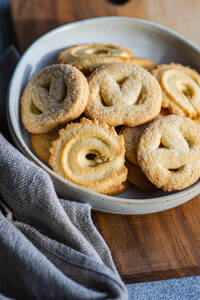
(123,94)
(56,95)
(180,88)
(90,154)
(169,152)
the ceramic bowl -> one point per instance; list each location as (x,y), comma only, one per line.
(146,39)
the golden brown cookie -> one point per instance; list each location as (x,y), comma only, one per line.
(90,154)
(41,143)
(138,178)
(56,95)
(145,63)
(88,57)
(131,138)
(180,89)
(169,152)
(122,187)
(123,94)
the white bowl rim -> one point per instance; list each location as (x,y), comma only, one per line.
(194,189)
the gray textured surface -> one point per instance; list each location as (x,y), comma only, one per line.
(50,248)
(187,288)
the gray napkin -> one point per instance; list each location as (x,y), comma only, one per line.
(49,247)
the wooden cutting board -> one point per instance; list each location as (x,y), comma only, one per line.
(146,247)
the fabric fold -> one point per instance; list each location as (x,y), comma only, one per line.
(50,248)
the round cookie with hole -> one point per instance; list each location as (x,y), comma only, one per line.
(91,154)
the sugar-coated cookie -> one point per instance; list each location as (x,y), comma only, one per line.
(168,152)
(123,94)
(57,94)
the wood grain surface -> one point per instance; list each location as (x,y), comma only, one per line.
(32,18)
(155,246)
(146,247)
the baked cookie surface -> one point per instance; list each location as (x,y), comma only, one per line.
(138,178)
(123,94)
(145,63)
(131,138)
(88,57)
(169,152)
(180,89)
(91,154)
(41,143)
(57,94)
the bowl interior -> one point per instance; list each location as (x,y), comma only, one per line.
(143,38)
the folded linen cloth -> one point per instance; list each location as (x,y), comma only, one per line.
(49,247)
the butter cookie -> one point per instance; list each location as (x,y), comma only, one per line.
(56,95)
(41,143)
(180,89)
(88,57)
(90,154)
(122,187)
(123,94)
(168,152)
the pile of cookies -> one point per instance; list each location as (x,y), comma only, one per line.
(103,119)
